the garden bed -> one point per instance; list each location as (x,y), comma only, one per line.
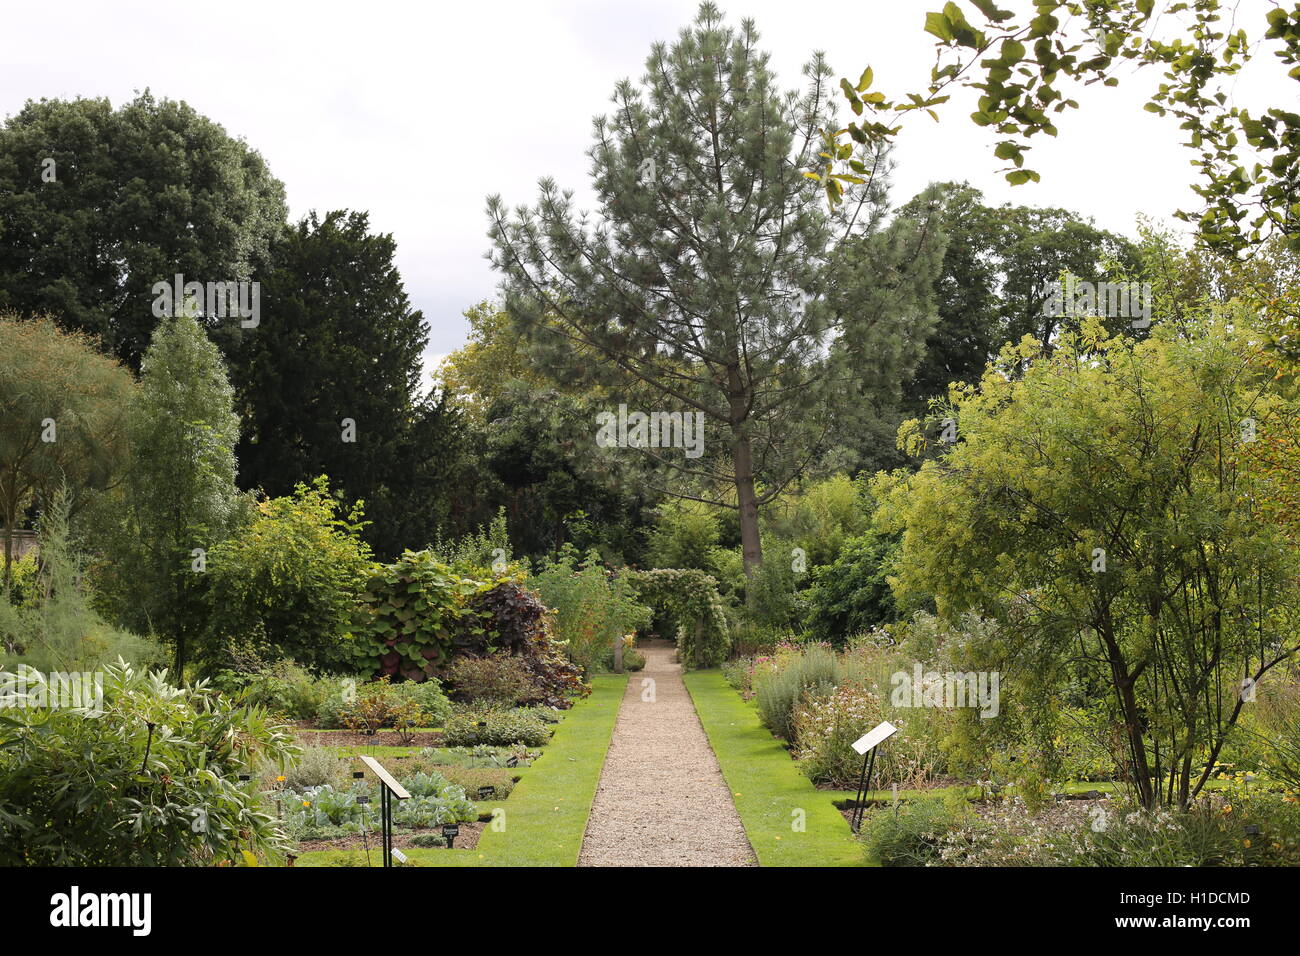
(466,839)
(381,738)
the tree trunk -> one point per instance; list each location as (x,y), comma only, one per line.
(9,561)
(1123,680)
(750,544)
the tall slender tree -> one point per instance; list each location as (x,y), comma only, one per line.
(705,278)
(62,420)
(181,496)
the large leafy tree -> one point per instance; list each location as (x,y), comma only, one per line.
(339,340)
(62,420)
(1039,245)
(1099,505)
(705,277)
(97,204)
(181,499)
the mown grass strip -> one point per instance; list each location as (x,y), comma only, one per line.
(546,815)
(772,796)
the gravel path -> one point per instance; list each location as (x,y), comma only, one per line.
(662,800)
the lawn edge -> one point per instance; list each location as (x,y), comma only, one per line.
(766,785)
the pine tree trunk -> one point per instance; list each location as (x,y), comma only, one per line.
(751,546)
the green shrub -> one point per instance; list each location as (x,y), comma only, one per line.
(330,713)
(428,698)
(292,577)
(316,766)
(851,594)
(284,687)
(684,536)
(913,834)
(772,594)
(738,672)
(152,781)
(514,621)
(495,679)
(25,589)
(476,554)
(413,612)
(372,705)
(821,517)
(495,727)
(1274,732)
(56,628)
(1130,836)
(380,704)
(593,607)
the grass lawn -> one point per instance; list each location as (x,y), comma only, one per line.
(767,786)
(546,815)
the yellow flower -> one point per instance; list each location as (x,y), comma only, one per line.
(280,779)
(306,803)
(1246,844)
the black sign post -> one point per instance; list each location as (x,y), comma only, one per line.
(866,745)
(388,789)
(449,833)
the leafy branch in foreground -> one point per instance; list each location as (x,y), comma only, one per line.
(1023,64)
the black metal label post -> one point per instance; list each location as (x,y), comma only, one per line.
(388,789)
(866,745)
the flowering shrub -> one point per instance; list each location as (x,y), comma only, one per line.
(1234,827)
(826,724)
(917,833)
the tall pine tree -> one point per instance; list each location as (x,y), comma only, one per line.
(707,282)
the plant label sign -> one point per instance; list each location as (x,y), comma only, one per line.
(874,737)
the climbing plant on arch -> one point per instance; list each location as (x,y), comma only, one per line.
(690,599)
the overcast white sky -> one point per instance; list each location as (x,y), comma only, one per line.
(416,111)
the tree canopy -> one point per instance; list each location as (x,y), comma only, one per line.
(97,204)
